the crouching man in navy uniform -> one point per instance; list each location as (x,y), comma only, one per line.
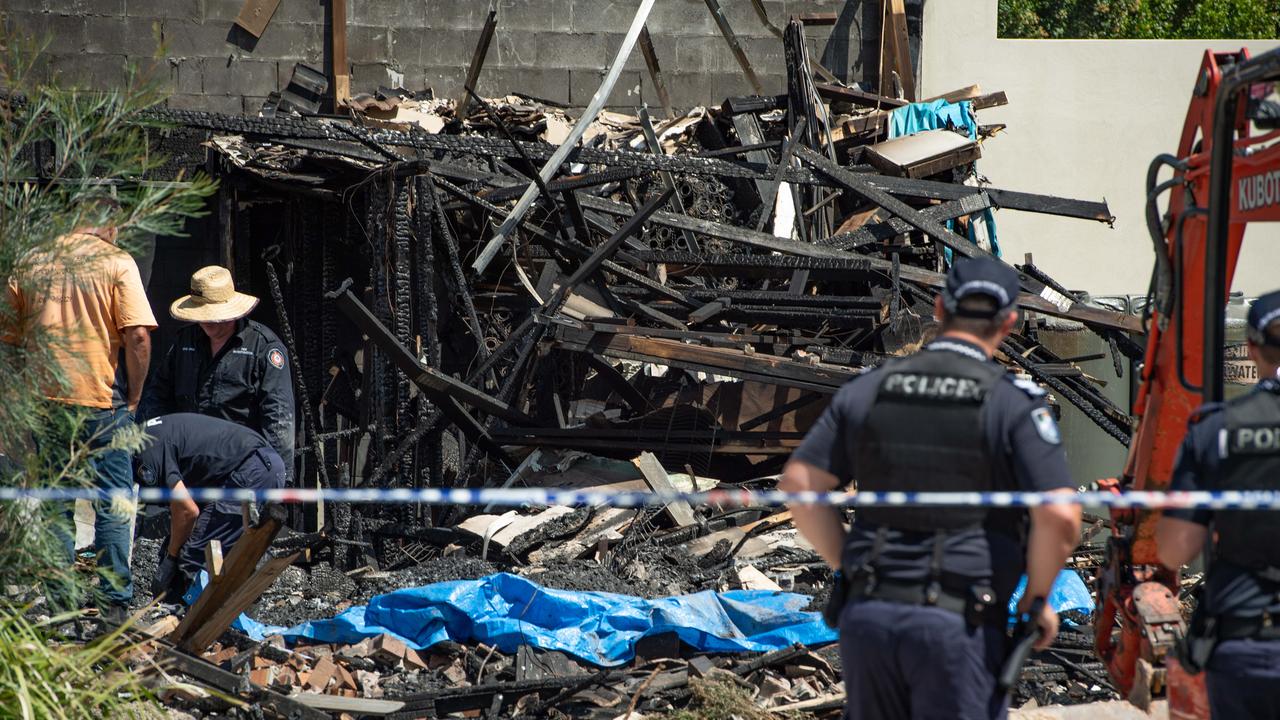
(188,450)
(1235,634)
(923,633)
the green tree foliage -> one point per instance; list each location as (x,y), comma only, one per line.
(1140,19)
(62,150)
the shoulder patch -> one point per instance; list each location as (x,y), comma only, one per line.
(1046,426)
(276,358)
(1028,386)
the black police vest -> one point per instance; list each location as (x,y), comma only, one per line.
(1246,538)
(924,433)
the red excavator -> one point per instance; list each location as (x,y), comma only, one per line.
(1225,175)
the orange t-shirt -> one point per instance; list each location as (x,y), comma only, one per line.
(83,294)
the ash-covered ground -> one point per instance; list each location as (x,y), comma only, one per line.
(320,590)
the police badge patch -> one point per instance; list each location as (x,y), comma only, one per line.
(1046,426)
(275,357)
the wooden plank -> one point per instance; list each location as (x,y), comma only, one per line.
(965,93)
(351,705)
(242,599)
(734,46)
(213,558)
(655,72)
(857,97)
(895,30)
(922,154)
(237,569)
(750,577)
(818,18)
(656,477)
(990,100)
(477,62)
(341,70)
(255,14)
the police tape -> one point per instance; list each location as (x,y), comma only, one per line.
(515,497)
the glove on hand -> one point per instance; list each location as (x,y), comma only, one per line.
(166,571)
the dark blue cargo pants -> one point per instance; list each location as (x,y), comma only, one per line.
(1243,678)
(907,662)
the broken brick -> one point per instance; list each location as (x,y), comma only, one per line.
(262,676)
(387,650)
(346,679)
(321,674)
(414,661)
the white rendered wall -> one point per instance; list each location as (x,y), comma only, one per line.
(1085,119)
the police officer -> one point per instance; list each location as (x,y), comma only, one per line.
(923,632)
(187,450)
(225,365)
(1235,446)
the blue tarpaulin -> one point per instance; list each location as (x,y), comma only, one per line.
(507,611)
(936,115)
(1069,593)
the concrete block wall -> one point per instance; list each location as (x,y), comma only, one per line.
(553,49)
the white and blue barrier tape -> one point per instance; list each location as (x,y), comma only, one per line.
(1216,500)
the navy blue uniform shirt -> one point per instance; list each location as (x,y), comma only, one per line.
(247,382)
(1021,434)
(1229,589)
(196,450)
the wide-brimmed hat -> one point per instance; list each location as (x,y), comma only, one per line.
(213,298)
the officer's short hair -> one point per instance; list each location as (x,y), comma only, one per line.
(983,327)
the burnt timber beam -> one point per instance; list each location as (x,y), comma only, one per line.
(768,369)
(859,185)
(722,22)
(964,206)
(779,411)
(477,62)
(619,384)
(446,392)
(1007,199)
(850,265)
(722,231)
(857,97)
(655,71)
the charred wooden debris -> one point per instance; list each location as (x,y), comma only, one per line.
(691,287)
(675,309)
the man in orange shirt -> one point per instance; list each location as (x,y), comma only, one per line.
(86,296)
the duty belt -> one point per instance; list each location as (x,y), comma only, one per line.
(1236,627)
(909,593)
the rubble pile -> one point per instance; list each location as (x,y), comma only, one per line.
(669,309)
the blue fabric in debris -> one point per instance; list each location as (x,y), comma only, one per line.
(935,115)
(1069,593)
(507,611)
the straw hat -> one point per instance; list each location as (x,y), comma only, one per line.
(213,298)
